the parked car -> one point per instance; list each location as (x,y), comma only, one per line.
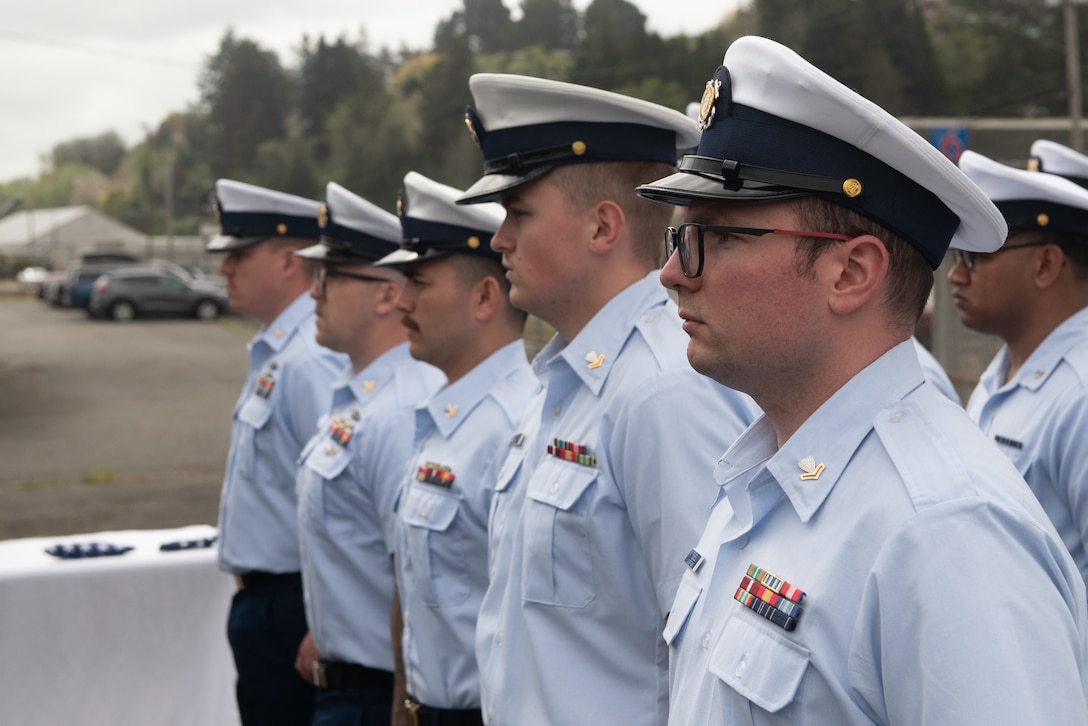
(127,292)
(77,290)
(52,287)
(29,279)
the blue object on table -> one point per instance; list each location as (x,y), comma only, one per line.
(92,549)
(192,544)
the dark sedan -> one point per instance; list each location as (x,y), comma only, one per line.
(125,293)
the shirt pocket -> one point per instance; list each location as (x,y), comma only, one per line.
(255,412)
(686,596)
(557,559)
(760,665)
(434,545)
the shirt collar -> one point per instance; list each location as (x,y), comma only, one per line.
(453,404)
(367,383)
(1046,357)
(823,446)
(596,348)
(279,331)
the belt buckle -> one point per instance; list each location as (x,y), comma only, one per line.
(413,711)
(317,672)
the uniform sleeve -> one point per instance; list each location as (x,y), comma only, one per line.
(665,442)
(971,615)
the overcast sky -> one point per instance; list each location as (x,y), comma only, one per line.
(74,69)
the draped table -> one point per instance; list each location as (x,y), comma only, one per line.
(137,638)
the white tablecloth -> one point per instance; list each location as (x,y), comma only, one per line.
(138,638)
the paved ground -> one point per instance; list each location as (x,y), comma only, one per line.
(106,426)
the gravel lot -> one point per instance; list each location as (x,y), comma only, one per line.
(108,426)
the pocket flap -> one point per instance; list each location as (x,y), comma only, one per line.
(759,664)
(328,459)
(560,483)
(428,507)
(255,412)
(686,596)
(509,470)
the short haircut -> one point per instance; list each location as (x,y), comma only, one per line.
(910,277)
(473,268)
(584,185)
(1073,246)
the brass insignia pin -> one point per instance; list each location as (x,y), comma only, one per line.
(706,104)
(451,410)
(594,360)
(330,451)
(323,216)
(811,470)
(368,386)
(278,333)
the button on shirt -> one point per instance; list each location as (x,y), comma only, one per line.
(587,542)
(286,392)
(935,589)
(442,535)
(348,478)
(1039,419)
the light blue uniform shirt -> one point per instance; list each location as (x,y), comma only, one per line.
(348,478)
(936,590)
(935,373)
(586,542)
(1040,420)
(285,393)
(442,535)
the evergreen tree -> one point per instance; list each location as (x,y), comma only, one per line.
(245,93)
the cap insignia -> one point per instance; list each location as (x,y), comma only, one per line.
(322,215)
(472,128)
(281,229)
(706,105)
(473,242)
(1033,164)
(1043,220)
(811,470)
(851,188)
(215,208)
(578,147)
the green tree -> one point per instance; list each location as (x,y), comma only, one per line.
(245,93)
(487,25)
(328,75)
(616,51)
(551,24)
(103,152)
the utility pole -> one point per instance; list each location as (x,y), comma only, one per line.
(1072,73)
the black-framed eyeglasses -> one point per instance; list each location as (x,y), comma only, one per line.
(322,275)
(968,258)
(688,239)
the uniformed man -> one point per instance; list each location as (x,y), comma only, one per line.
(286,391)
(351,468)
(1032,399)
(871,557)
(605,483)
(457,310)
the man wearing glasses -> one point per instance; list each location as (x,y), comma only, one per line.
(1032,292)
(350,470)
(286,391)
(871,557)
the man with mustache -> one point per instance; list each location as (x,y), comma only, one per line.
(350,471)
(457,310)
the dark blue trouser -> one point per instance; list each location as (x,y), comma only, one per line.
(265,626)
(353,706)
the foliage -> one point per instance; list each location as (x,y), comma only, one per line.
(342,113)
